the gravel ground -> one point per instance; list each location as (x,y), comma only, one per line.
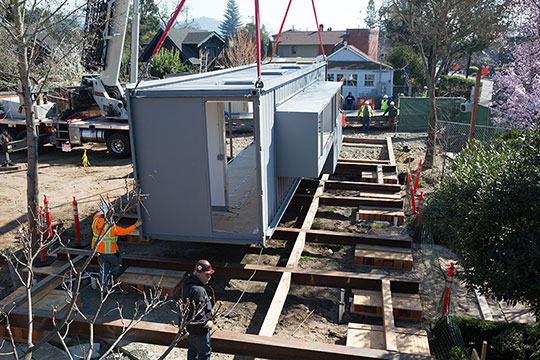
(309,313)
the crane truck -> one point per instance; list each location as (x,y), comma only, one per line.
(101,95)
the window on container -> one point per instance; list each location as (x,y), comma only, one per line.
(369,80)
(351,80)
(330,77)
(339,77)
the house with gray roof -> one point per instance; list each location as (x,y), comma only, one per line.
(306,44)
(197,47)
(363,76)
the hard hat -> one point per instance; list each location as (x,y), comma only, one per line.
(368,101)
(385,97)
(401,94)
(391,103)
(204,266)
(103,209)
(425,87)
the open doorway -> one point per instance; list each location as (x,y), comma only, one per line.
(232,167)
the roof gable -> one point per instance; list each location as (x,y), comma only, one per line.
(349,53)
(291,37)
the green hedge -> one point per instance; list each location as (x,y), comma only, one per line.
(455,86)
(509,340)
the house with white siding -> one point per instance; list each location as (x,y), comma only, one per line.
(363,76)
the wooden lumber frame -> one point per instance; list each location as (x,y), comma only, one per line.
(343,238)
(222,341)
(276,306)
(299,276)
(360,186)
(47,284)
(350,201)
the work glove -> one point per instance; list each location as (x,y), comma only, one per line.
(138,223)
(209,325)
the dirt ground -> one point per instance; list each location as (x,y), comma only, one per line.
(310,313)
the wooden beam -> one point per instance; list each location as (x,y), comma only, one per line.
(311,277)
(388,317)
(343,238)
(222,341)
(380,175)
(44,286)
(365,161)
(276,306)
(362,186)
(364,140)
(350,201)
(484,306)
(390,148)
(356,145)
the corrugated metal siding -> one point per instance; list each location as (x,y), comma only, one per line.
(287,90)
(277,188)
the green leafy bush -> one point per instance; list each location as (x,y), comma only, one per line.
(455,86)
(488,212)
(168,62)
(509,340)
(510,345)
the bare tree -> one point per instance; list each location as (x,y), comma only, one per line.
(28,26)
(242,50)
(23,266)
(439,30)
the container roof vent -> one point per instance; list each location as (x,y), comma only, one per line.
(274,72)
(239,82)
(291,67)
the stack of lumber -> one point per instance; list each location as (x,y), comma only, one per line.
(143,279)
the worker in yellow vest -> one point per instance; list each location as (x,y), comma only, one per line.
(366,113)
(384,102)
(105,237)
(425,92)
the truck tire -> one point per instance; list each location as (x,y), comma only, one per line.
(118,145)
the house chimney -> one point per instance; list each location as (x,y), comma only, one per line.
(321,27)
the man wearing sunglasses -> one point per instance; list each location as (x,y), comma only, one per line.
(200,322)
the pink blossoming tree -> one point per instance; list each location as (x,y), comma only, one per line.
(518,85)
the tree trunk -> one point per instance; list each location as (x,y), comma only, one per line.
(468,66)
(430,151)
(32,191)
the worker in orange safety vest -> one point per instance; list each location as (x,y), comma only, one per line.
(105,236)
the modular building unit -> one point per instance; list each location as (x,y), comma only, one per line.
(196,190)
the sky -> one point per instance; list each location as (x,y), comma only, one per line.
(337,14)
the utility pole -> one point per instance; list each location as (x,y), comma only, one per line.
(475,106)
(133,75)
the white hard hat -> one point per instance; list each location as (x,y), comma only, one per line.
(368,101)
(385,97)
(391,103)
(103,209)
(425,87)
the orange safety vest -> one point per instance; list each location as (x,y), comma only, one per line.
(108,243)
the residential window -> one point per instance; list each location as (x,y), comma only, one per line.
(369,80)
(293,49)
(351,80)
(339,77)
(330,77)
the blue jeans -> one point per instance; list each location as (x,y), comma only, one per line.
(199,346)
(365,123)
(110,264)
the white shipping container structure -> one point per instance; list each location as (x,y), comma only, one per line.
(195,191)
